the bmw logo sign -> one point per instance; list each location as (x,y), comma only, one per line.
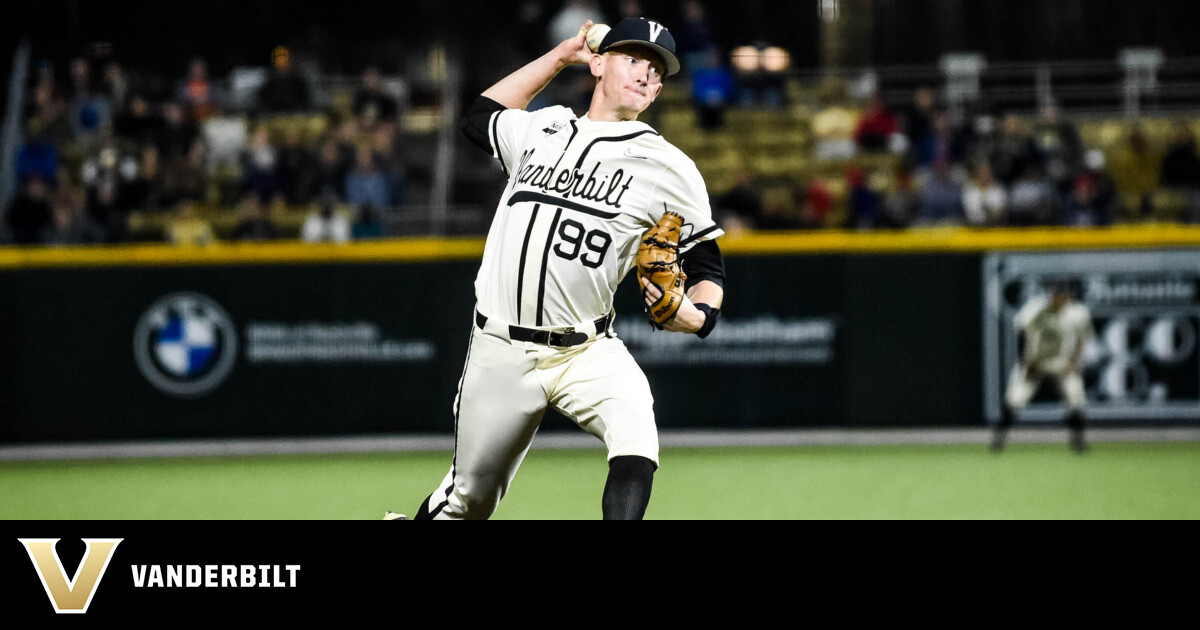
(185,344)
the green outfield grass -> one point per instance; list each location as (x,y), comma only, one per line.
(1040,481)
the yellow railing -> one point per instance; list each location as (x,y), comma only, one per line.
(744,244)
(287,252)
(960,240)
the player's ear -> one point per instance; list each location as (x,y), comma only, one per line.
(597,65)
(657,90)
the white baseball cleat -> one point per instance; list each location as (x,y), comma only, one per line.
(392,516)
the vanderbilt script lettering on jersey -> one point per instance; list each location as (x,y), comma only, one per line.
(608,188)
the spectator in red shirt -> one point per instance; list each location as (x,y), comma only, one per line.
(876,125)
(818,202)
(199,95)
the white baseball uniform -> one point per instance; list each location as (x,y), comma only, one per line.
(1051,340)
(580,195)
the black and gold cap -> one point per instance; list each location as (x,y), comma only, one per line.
(642,32)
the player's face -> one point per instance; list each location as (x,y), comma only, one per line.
(630,79)
(1058,300)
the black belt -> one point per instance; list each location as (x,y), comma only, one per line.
(558,339)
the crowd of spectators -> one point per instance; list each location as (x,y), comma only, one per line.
(99,145)
(979,168)
(1023,171)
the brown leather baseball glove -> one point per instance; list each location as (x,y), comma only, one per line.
(658,262)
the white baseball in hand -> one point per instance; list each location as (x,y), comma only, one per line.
(595,35)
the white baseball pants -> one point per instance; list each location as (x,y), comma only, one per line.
(505,389)
(1021,387)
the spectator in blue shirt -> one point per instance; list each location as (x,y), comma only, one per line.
(38,156)
(941,197)
(366,185)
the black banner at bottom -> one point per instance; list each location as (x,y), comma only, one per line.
(239,571)
(260,573)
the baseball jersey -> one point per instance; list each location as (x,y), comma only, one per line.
(580,195)
(1052,338)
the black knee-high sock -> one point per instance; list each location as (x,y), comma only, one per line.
(1000,430)
(1075,421)
(627,491)
(423,512)
(1006,419)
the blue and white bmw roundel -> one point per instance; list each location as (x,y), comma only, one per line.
(185,344)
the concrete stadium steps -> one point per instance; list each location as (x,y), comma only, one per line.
(1109,133)
(765,144)
(311,128)
(152,226)
(775,148)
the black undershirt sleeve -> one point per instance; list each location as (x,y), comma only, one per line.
(704,262)
(475,122)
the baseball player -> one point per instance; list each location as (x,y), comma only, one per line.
(1056,329)
(581,194)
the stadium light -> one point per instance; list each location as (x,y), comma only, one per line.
(744,59)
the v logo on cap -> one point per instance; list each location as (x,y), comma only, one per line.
(655,30)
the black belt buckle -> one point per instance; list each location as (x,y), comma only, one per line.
(563,338)
(566,338)
(555,338)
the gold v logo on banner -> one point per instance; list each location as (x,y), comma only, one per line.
(73,595)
